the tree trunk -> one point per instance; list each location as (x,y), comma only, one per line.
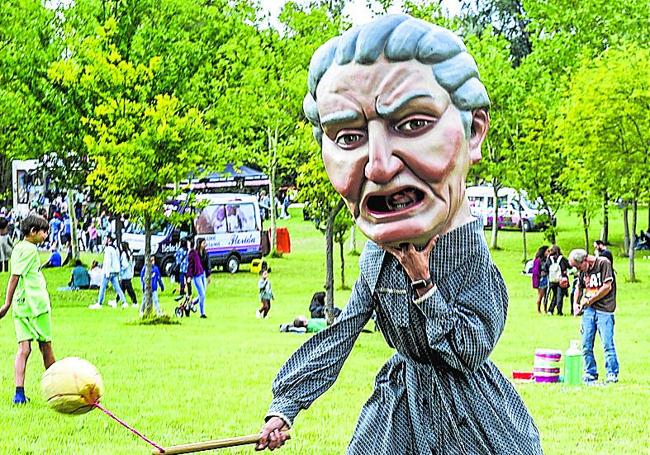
(626,229)
(342,263)
(495,220)
(523,235)
(148,303)
(73,223)
(273,149)
(585,227)
(353,239)
(604,234)
(118,231)
(329,262)
(632,241)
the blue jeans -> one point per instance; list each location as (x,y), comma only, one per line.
(114,279)
(592,321)
(199,284)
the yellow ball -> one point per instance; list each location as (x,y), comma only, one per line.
(72,386)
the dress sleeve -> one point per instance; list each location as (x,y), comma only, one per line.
(314,367)
(463,332)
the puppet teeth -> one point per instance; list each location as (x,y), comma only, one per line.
(399,201)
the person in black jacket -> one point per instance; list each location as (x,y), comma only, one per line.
(558,267)
(205,259)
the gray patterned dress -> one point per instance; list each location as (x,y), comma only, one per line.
(439,393)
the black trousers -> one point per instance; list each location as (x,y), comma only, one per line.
(557,298)
(127,287)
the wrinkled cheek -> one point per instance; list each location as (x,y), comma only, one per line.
(345,173)
(441,155)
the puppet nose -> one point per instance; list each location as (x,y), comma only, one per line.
(382,164)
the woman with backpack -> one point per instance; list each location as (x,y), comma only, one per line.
(558,279)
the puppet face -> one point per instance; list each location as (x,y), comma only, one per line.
(394,148)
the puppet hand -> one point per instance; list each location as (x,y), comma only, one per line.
(415,263)
(272,435)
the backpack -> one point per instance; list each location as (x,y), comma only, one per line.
(555,271)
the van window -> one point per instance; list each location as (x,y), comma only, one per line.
(211,220)
(240,217)
(503,202)
(490,202)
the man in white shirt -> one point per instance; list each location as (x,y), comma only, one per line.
(111,269)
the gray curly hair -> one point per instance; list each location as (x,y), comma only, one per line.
(400,37)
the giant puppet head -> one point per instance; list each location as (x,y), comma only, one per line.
(400,114)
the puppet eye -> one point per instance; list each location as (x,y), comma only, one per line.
(349,140)
(414,125)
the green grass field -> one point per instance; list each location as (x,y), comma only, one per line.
(206,379)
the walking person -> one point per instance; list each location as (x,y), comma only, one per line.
(205,260)
(540,277)
(27,292)
(111,271)
(181,261)
(127,267)
(196,274)
(266,294)
(558,279)
(156,281)
(6,245)
(596,301)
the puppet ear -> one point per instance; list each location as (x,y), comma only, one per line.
(480,126)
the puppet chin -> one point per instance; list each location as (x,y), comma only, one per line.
(394,233)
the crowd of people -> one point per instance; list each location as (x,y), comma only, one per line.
(592,296)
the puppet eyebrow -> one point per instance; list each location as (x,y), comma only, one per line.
(390,109)
(339,117)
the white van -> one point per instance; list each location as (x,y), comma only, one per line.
(481,204)
(232,227)
(229,222)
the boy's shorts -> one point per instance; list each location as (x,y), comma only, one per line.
(37,328)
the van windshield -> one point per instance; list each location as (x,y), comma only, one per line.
(157,228)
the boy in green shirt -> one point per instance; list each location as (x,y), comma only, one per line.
(27,291)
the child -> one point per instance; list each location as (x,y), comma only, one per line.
(156,279)
(266,295)
(27,291)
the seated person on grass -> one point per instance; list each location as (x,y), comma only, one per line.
(54,260)
(80,278)
(96,274)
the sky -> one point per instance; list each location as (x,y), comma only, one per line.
(357,9)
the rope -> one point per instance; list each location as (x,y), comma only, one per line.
(124,424)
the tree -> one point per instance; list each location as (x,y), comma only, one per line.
(140,140)
(28,44)
(505,18)
(499,77)
(325,208)
(605,131)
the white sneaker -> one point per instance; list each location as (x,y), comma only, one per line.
(135,305)
(94,306)
(112,303)
(258,315)
(141,313)
(125,305)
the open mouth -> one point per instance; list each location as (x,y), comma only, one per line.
(395,202)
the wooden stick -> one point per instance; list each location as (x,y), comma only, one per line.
(215,444)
